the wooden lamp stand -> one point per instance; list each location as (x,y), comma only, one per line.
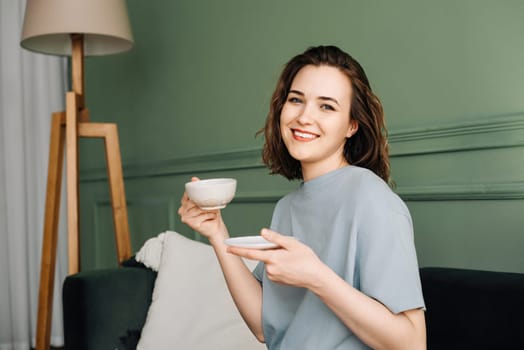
(68,126)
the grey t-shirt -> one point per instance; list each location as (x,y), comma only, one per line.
(363,231)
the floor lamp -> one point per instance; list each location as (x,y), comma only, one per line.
(76,28)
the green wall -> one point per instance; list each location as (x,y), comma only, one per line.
(190,96)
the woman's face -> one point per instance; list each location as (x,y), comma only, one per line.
(315,122)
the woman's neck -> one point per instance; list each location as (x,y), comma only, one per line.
(312,171)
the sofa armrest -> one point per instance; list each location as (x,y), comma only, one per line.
(102,306)
(472,309)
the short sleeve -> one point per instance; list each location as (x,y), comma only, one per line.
(386,257)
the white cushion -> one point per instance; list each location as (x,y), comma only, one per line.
(192,307)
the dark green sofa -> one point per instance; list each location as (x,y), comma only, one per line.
(106,309)
(466,309)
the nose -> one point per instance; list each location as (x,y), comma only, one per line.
(305,115)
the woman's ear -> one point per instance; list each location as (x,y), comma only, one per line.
(353,128)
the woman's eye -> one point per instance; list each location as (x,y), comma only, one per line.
(294,100)
(327,107)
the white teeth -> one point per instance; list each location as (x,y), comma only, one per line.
(304,135)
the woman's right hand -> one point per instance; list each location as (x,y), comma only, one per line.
(208,223)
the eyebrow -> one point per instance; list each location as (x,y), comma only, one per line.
(324,98)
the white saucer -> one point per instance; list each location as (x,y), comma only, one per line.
(253,242)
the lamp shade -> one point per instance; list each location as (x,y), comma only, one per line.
(48,25)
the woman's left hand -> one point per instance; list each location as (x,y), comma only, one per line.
(292,263)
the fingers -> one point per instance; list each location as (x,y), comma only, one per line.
(251,254)
(188,209)
(275,237)
(196,218)
(185,204)
(265,255)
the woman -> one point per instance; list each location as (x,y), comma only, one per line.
(345,275)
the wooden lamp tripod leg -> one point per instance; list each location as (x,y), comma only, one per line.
(73,241)
(109,133)
(52,207)
(118,197)
(63,127)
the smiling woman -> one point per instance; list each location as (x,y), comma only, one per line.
(314,125)
(335,84)
(343,273)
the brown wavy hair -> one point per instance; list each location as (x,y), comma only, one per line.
(367,148)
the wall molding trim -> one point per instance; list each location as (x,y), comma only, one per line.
(210,162)
(492,191)
(487,133)
(259,196)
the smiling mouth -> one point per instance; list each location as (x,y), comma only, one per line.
(301,135)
